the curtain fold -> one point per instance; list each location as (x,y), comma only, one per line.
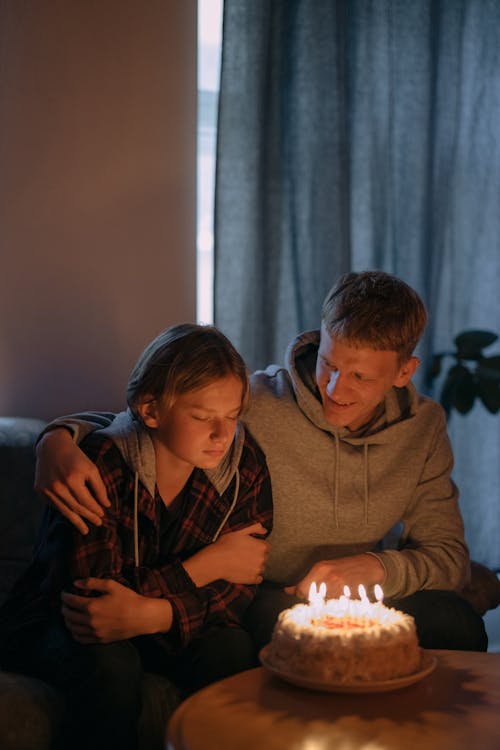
(278,210)
(364,134)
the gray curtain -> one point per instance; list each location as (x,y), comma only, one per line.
(364,134)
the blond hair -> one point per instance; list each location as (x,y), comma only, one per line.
(183,358)
(375,309)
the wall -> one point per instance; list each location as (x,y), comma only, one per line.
(97,194)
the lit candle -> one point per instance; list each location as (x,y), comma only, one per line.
(379,594)
(312,591)
(317,598)
(362,592)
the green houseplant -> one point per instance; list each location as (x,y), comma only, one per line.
(471,375)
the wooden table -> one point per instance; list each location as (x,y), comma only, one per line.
(456,707)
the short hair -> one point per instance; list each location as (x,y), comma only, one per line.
(375,309)
(183,358)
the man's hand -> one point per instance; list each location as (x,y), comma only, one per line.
(350,571)
(69,480)
(237,556)
(118,614)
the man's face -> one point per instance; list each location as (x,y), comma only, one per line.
(352,382)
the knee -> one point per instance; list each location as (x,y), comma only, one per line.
(113,678)
(236,650)
(445,620)
(104,698)
(473,636)
(262,614)
(117,665)
(217,654)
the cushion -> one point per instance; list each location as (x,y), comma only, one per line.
(21,509)
(30,713)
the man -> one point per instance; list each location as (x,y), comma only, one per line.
(355,453)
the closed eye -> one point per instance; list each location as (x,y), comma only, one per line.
(328,364)
(363,378)
(208,419)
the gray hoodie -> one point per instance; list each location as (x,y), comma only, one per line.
(338,493)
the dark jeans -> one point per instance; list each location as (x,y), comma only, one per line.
(102,682)
(443,619)
(215,654)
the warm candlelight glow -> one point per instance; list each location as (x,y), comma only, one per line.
(319,607)
(362,592)
(317,598)
(312,591)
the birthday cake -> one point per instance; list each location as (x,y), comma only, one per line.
(345,641)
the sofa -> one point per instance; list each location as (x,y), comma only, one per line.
(30,710)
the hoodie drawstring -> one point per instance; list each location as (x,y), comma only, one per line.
(231,507)
(337,482)
(136,519)
(365,479)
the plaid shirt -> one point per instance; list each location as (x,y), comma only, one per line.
(107,551)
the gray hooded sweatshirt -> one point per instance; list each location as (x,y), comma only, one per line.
(338,493)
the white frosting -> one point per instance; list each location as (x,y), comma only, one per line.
(345,640)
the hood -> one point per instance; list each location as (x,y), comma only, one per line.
(136,447)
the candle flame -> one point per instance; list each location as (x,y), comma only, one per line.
(379,594)
(347,591)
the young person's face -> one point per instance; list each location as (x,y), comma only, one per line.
(199,427)
(352,382)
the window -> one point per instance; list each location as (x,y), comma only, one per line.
(209,48)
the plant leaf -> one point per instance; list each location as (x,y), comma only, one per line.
(465,393)
(489,369)
(489,393)
(459,390)
(470,343)
(434,368)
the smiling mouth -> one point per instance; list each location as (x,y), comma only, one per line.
(340,404)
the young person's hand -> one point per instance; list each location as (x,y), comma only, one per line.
(237,557)
(69,480)
(350,571)
(116,615)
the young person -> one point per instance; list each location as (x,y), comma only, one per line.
(162,584)
(357,458)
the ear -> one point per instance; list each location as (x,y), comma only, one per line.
(147,408)
(406,372)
